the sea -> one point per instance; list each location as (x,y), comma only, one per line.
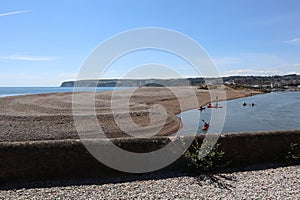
(14,91)
(271,111)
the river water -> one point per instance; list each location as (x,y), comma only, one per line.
(272,111)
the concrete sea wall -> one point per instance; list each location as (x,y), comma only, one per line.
(43,160)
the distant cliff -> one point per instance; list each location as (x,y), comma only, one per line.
(67,84)
(90,83)
(292,80)
(133,82)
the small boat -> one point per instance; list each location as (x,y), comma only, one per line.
(214,106)
(205,125)
(217,105)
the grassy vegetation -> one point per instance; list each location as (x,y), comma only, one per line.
(213,160)
(292,155)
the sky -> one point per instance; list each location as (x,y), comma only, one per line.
(43,43)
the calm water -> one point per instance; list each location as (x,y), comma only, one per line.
(272,111)
(13,91)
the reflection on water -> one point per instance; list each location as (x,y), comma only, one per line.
(272,111)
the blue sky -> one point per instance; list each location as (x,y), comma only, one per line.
(45,42)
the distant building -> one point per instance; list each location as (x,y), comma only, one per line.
(231,82)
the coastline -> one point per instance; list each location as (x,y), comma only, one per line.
(49,116)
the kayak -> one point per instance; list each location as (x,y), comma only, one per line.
(214,106)
(204,128)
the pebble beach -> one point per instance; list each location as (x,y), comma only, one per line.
(272,183)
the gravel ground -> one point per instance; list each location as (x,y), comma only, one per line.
(277,183)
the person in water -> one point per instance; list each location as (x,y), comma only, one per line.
(244,104)
(205,125)
(252,104)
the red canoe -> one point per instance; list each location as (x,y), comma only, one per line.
(204,128)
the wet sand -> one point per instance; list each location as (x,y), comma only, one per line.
(50,117)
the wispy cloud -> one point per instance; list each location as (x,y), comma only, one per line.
(28,58)
(293,41)
(13,13)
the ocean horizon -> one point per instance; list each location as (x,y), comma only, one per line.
(16,91)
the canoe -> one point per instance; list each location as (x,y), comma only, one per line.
(204,128)
(214,106)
